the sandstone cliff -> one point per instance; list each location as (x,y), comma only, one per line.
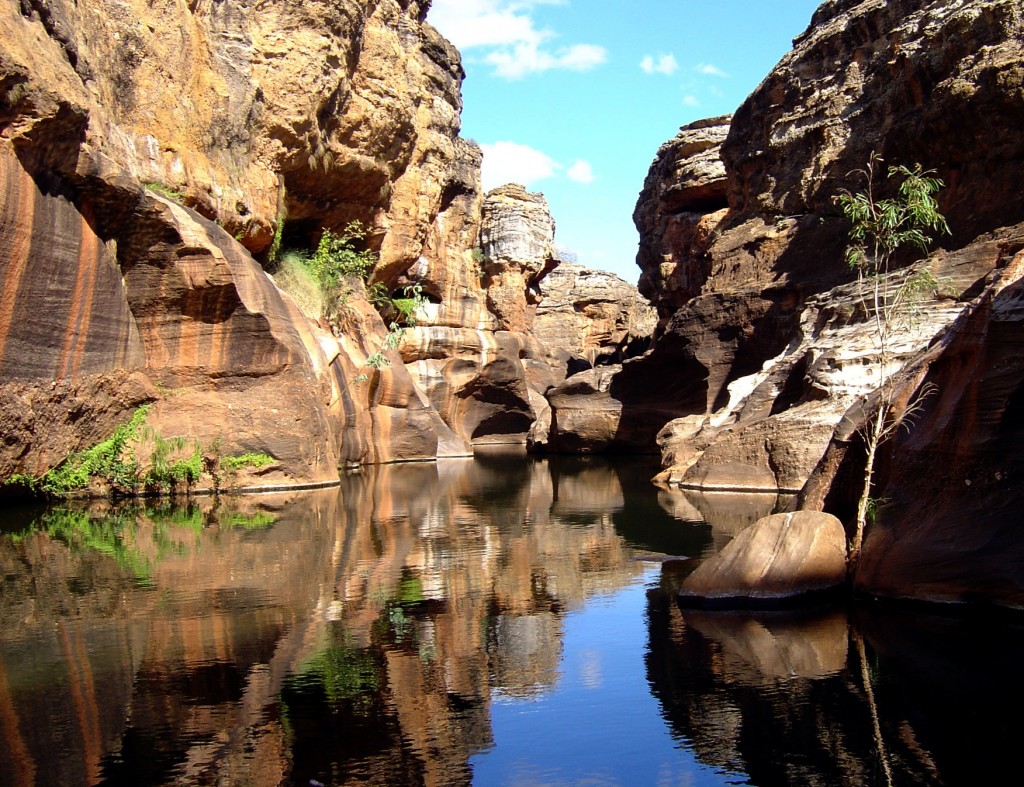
(244,123)
(156,157)
(763,342)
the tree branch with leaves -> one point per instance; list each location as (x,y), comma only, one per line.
(881,228)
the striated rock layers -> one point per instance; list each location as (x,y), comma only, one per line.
(762,338)
(507,322)
(115,295)
(594,314)
(471,351)
(763,334)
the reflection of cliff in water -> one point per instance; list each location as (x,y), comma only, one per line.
(793,698)
(357,634)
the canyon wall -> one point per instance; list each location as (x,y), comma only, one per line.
(157,160)
(148,150)
(763,339)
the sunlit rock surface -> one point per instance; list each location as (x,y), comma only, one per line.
(292,119)
(593,314)
(517,241)
(682,201)
(780,557)
(323,111)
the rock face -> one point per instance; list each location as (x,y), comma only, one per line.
(593,314)
(948,528)
(683,199)
(472,351)
(762,336)
(115,295)
(517,239)
(602,322)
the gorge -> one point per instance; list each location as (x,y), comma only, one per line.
(469,542)
(158,155)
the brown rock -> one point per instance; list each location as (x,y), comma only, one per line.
(585,416)
(683,200)
(517,238)
(777,558)
(769,347)
(325,112)
(592,314)
(948,528)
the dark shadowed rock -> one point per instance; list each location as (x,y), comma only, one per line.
(762,333)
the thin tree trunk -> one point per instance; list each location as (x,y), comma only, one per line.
(874,437)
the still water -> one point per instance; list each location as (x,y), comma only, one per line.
(497,621)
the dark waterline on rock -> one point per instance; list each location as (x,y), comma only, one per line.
(502,620)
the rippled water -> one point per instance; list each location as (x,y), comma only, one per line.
(496,621)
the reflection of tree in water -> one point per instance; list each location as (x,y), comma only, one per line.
(782,697)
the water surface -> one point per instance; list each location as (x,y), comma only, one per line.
(498,621)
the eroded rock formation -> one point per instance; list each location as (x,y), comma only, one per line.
(683,199)
(762,330)
(148,150)
(593,314)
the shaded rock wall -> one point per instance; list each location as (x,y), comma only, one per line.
(948,526)
(762,336)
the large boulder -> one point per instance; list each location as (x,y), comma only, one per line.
(778,558)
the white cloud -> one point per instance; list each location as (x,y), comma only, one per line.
(509,36)
(581,172)
(665,64)
(527,58)
(709,69)
(510,162)
(690,101)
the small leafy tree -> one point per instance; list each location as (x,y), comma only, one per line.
(337,259)
(880,228)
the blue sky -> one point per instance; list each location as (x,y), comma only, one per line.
(573,97)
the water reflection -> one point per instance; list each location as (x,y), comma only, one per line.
(385,632)
(335,636)
(875,696)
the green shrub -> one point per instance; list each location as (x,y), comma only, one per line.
(165,191)
(294,276)
(336,257)
(251,459)
(110,460)
(168,472)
